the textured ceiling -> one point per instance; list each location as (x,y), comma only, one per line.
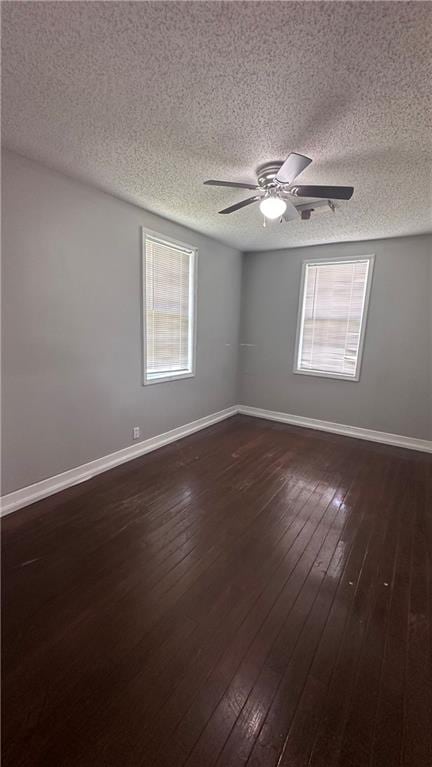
(146,100)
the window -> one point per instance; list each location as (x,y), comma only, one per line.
(169,274)
(334,296)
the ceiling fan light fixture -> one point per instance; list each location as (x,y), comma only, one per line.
(272,207)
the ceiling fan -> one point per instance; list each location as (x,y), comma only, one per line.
(276,190)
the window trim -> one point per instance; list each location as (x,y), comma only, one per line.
(365,314)
(193,295)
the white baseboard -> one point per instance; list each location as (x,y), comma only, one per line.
(339,428)
(46,487)
(31,493)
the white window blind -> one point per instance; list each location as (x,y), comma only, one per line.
(332,317)
(169,274)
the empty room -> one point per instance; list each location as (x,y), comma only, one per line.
(216,392)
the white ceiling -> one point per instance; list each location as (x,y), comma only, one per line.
(146,100)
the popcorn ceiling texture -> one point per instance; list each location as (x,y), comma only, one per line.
(147,100)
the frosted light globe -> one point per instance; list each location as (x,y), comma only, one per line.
(272,207)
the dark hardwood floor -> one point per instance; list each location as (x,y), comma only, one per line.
(254,594)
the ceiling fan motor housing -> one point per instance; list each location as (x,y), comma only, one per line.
(267,173)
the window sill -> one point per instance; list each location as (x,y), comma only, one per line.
(164,377)
(322,374)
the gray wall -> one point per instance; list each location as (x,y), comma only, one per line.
(71,326)
(394,393)
(72,340)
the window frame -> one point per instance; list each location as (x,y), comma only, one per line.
(364,319)
(193,293)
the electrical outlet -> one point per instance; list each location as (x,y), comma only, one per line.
(136,432)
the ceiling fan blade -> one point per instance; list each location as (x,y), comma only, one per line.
(231,184)
(241,204)
(292,167)
(327,192)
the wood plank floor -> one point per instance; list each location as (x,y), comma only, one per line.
(255,594)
